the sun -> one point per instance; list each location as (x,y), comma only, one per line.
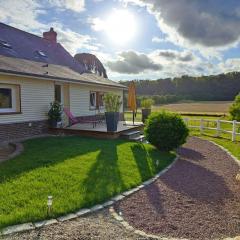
(121,26)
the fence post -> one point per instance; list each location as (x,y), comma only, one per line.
(234,131)
(218,128)
(201,126)
(186,121)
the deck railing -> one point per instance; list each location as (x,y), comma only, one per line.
(231,127)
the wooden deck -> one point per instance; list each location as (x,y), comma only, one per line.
(100,131)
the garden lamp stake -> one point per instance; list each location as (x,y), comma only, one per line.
(49,204)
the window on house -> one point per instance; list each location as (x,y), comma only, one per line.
(96,100)
(58,93)
(5,98)
(9,98)
(100,100)
(93,102)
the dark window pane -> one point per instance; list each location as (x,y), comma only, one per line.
(92,99)
(5,98)
(58,93)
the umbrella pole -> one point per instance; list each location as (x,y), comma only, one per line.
(133,117)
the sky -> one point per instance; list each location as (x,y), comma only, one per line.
(139,39)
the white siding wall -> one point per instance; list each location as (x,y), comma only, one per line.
(79,98)
(36,96)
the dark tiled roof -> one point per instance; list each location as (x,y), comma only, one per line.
(24,67)
(25,45)
(22,58)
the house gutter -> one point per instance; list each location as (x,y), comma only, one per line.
(52,78)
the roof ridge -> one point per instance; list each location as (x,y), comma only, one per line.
(20,30)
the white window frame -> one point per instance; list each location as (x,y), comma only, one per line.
(102,107)
(95,100)
(13,91)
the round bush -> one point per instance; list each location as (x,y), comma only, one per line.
(166,130)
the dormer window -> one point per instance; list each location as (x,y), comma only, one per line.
(5,44)
(41,53)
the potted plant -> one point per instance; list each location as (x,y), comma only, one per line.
(146,105)
(55,114)
(112,103)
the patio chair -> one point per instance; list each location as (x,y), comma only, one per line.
(74,120)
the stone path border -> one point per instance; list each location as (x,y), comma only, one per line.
(125,224)
(18,150)
(29,226)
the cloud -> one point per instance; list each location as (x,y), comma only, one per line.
(21,14)
(97,24)
(230,65)
(184,56)
(158,40)
(74,5)
(131,62)
(208,24)
(74,41)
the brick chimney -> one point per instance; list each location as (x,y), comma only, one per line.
(50,35)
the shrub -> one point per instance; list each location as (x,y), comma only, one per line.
(55,111)
(112,102)
(166,130)
(147,103)
(235,109)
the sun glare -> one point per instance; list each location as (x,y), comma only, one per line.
(121,26)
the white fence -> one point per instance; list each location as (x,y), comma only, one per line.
(220,126)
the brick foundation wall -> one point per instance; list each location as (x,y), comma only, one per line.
(13,131)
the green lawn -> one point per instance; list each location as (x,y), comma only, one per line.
(78,172)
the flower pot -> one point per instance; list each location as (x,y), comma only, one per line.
(112,119)
(145,113)
(53,123)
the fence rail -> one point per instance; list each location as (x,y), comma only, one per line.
(217,125)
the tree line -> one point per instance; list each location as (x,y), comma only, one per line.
(222,87)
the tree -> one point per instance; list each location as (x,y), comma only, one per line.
(91,63)
(235,108)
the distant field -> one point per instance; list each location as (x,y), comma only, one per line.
(196,107)
(206,109)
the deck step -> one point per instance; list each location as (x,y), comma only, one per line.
(129,133)
(140,138)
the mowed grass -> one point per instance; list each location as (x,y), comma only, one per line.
(78,172)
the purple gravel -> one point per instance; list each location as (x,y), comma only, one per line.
(198,198)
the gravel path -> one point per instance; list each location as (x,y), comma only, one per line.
(97,226)
(198,198)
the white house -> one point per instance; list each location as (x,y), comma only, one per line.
(35,71)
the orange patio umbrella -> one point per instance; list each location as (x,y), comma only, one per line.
(132,102)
